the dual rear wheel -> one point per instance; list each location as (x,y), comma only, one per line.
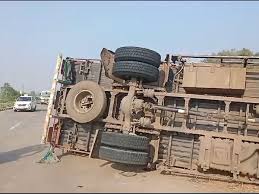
(124,148)
(86,102)
(136,62)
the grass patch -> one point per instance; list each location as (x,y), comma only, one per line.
(4,105)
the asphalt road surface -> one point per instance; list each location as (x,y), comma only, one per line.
(20,149)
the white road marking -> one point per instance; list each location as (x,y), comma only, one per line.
(16,125)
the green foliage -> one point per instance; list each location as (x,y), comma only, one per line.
(232,52)
(6,105)
(7,93)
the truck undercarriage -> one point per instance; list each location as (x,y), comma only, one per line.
(176,115)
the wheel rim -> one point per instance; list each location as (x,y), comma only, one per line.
(84,101)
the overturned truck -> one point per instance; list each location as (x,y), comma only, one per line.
(183,114)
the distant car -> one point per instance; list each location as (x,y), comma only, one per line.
(44,97)
(38,99)
(28,103)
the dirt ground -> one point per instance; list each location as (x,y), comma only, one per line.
(20,150)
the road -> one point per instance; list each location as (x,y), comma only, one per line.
(20,149)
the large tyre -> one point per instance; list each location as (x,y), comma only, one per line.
(123,156)
(125,141)
(137,54)
(132,69)
(86,102)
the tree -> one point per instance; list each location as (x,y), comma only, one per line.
(7,93)
(231,52)
(234,52)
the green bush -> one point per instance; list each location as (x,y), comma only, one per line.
(8,94)
(232,52)
(6,105)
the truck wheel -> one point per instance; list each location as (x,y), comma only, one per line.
(123,156)
(137,54)
(86,102)
(125,141)
(132,69)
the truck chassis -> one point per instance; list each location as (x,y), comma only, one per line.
(206,135)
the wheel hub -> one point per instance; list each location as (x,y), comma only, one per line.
(84,101)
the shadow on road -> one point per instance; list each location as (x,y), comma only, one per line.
(126,170)
(41,110)
(14,155)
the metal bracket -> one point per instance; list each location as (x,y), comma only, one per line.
(227,103)
(85,68)
(235,158)
(191,69)
(204,155)
(94,143)
(186,107)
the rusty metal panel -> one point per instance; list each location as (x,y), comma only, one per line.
(214,79)
(221,155)
(89,70)
(190,76)
(237,78)
(105,81)
(252,82)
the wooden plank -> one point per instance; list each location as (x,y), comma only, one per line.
(94,141)
(51,99)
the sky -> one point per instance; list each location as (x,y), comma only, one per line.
(32,34)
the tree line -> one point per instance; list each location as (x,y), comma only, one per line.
(9,94)
(235,52)
(231,52)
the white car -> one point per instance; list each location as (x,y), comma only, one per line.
(28,103)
